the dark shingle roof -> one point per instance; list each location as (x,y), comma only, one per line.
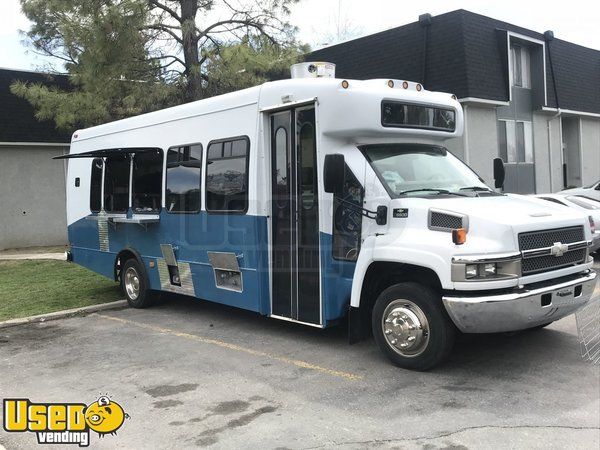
(17,119)
(466,56)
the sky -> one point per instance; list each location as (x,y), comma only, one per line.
(318,21)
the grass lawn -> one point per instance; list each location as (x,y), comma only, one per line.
(28,288)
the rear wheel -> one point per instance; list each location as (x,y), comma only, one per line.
(411,327)
(134,284)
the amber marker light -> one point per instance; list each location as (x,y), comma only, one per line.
(405,84)
(391,83)
(459,236)
(419,87)
(345,84)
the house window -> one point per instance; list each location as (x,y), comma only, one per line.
(96,185)
(147,181)
(227,176)
(521,66)
(347,221)
(184,172)
(116,183)
(515,141)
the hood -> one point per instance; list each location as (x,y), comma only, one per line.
(520,212)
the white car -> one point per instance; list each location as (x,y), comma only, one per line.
(584,204)
(592,191)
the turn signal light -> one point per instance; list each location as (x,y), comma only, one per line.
(592,224)
(459,236)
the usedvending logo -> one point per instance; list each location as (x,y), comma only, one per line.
(63,423)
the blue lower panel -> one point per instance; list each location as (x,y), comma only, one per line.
(336,278)
(196,234)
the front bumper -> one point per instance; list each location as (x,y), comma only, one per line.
(521,308)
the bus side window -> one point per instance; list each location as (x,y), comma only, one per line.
(96,185)
(116,183)
(347,222)
(227,176)
(147,182)
(184,172)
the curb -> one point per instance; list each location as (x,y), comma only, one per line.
(83,311)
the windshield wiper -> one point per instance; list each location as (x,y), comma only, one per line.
(476,188)
(437,191)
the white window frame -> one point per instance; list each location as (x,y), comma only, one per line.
(511,141)
(510,37)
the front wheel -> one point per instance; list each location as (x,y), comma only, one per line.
(411,327)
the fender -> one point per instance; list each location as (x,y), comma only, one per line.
(133,252)
(373,251)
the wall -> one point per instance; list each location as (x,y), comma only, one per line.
(547,153)
(32,204)
(590,147)
(481,140)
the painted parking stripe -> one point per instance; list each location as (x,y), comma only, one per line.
(223,344)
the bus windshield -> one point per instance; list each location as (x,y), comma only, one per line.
(422,170)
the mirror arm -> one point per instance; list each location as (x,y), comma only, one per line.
(363,211)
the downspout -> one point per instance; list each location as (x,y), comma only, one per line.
(549,37)
(425,22)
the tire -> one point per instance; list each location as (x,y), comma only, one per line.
(417,321)
(539,327)
(134,284)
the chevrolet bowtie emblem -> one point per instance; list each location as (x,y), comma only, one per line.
(559,249)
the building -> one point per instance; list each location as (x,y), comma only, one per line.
(529,98)
(32,204)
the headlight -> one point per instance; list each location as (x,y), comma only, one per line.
(486,267)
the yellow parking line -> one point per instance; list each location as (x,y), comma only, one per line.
(194,337)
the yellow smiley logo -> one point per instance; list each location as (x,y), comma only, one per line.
(105,416)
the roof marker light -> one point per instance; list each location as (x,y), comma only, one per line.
(405,84)
(453,97)
(419,87)
(345,84)
(391,83)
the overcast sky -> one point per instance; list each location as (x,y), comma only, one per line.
(577,21)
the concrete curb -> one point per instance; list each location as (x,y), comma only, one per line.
(83,311)
(34,257)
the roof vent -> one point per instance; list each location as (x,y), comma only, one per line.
(313,70)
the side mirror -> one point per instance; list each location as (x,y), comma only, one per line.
(333,174)
(499,173)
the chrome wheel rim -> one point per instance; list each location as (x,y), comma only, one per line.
(132,283)
(405,328)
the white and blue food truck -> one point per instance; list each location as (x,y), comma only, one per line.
(320,200)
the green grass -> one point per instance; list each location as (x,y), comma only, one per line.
(28,288)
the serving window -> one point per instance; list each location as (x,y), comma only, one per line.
(227,175)
(116,183)
(147,182)
(184,173)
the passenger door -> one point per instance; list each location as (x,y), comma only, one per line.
(295,257)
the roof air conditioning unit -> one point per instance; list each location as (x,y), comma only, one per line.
(313,70)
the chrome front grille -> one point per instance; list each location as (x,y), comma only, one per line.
(552,249)
(543,239)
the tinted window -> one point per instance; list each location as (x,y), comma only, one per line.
(116,184)
(184,171)
(347,221)
(96,185)
(308,183)
(147,181)
(395,114)
(227,176)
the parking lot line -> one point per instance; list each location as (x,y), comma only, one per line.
(204,340)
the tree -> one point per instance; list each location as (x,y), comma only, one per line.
(199,30)
(107,57)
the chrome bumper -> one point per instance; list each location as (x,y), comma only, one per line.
(521,308)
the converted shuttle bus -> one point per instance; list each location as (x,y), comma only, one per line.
(319,200)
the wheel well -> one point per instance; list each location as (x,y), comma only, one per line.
(122,256)
(380,275)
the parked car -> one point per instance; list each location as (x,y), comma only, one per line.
(583,204)
(592,191)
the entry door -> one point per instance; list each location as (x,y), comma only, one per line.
(295,216)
